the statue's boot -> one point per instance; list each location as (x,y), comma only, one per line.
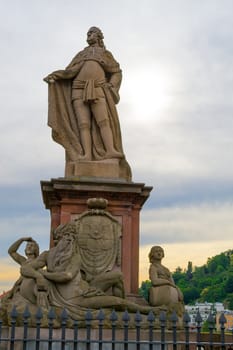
(85,136)
(106,134)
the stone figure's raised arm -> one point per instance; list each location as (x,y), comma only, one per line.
(12,251)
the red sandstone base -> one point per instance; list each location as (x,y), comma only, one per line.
(66,199)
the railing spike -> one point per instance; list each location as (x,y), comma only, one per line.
(186,318)
(222,319)
(162,316)
(174,317)
(198,317)
(14,312)
(39,314)
(113,317)
(101,315)
(138,317)
(125,316)
(88,317)
(51,314)
(64,314)
(211,318)
(151,317)
(26,313)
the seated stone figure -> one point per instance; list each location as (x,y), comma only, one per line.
(31,253)
(57,274)
(163,290)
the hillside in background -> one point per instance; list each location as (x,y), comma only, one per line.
(212,282)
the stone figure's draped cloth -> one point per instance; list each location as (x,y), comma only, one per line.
(61,116)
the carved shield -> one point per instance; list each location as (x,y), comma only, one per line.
(98,239)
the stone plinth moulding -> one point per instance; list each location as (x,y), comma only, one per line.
(66,198)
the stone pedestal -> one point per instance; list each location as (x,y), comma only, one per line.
(105,168)
(117,169)
(66,198)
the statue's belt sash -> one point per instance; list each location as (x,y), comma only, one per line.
(89,93)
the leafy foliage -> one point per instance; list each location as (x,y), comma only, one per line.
(144,289)
(212,282)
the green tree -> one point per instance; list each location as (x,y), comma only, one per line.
(222,259)
(178,274)
(191,294)
(213,294)
(229,284)
(144,289)
(189,272)
(229,301)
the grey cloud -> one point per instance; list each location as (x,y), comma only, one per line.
(181,224)
(29,224)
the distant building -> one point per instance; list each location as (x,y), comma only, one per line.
(204,309)
(229,320)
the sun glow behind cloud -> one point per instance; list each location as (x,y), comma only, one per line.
(149,91)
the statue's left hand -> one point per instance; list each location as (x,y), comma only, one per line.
(108,85)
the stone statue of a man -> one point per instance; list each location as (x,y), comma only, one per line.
(82,98)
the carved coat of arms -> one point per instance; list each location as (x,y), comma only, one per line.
(99,241)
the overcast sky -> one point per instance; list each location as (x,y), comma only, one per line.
(176,114)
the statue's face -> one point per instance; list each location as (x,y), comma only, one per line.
(31,248)
(92,37)
(158,253)
(57,236)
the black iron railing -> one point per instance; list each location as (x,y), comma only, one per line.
(110,332)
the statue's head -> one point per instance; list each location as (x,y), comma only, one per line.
(32,248)
(95,35)
(156,253)
(62,230)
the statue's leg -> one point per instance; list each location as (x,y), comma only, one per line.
(27,290)
(100,112)
(83,115)
(108,301)
(112,279)
(118,289)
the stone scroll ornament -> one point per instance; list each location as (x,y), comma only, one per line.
(99,239)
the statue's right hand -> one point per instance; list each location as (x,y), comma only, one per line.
(50,79)
(28,239)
